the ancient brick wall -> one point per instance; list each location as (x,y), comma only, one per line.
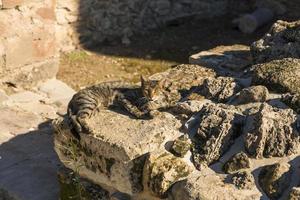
(97,21)
(32,32)
(28,51)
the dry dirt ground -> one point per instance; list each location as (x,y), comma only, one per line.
(154,52)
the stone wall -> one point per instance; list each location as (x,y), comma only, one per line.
(32,32)
(98,21)
(28,51)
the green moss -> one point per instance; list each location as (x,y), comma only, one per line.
(71,188)
(76,56)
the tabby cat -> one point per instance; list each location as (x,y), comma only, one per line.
(138,101)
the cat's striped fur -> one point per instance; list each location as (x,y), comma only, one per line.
(101,96)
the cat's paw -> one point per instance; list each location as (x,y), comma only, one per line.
(78,124)
(149,106)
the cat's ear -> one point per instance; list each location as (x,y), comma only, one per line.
(143,80)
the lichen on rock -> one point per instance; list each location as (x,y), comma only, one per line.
(237,162)
(181,146)
(279,75)
(163,170)
(243,180)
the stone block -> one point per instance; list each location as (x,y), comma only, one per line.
(31,75)
(115,151)
(19,50)
(46,13)
(11,3)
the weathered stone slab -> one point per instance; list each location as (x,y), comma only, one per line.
(224,58)
(114,152)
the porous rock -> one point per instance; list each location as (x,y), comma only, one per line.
(219,126)
(224,59)
(274,179)
(237,162)
(292,100)
(219,89)
(163,170)
(209,187)
(243,180)
(271,132)
(294,194)
(181,146)
(282,41)
(185,76)
(250,95)
(114,152)
(279,75)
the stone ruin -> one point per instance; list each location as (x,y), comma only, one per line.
(240,140)
(33,32)
(173,154)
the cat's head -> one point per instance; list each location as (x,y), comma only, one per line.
(151,89)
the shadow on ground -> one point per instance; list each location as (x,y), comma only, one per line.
(28,165)
(177,41)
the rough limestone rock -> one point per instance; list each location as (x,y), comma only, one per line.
(185,76)
(237,162)
(250,95)
(279,75)
(274,179)
(292,100)
(162,170)
(243,180)
(189,107)
(282,41)
(271,132)
(209,187)
(225,59)
(219,89)
(115,151)
(294,194)
(218,127)
(181,146)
